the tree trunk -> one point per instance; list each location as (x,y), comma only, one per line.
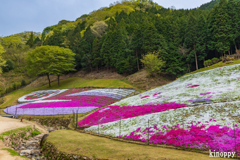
(58,80)
(196,61)
(229,52)
(235,46)
(97,69)
(137,60)
(49,80)
(188,68)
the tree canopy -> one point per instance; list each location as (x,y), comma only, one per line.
(46,60)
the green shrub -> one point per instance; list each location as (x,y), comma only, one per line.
(23,83)
(215,60)
(208,63)
(9,65)
(14,86)
(35,133)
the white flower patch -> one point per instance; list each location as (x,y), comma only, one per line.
(222,84)
(50,92)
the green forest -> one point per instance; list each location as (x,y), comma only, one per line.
(117,37)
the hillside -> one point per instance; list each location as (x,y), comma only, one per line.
(208,6)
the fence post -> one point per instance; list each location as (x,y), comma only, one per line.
(235,141)
(183,136)
(120,126)
(76,120)
(73,118)
(148,132)
(98,124)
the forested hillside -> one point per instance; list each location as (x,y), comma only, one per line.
(210,5)
(117,37)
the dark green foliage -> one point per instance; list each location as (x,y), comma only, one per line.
(23,82)
(30,42)
(9,65)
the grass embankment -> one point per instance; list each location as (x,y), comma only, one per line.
(14,131)
(73,142)
(74,82)
(13,153)
(217,65)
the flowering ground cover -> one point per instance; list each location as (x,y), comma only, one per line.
(209,95)
(66,101)
(195,135)
(113,113)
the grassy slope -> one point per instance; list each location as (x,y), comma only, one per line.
(99,147)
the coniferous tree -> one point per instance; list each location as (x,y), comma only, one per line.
(30,42)
(221,32)
(191,40)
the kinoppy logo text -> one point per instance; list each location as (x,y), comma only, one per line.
(221,154)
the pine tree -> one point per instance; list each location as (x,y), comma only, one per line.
(30,41)
(96,62)
(221,32)
(191,39)
(232,21)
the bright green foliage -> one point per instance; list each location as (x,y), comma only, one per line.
(208,63)
(152,63)
(215,60)
(2,61)
(46,60)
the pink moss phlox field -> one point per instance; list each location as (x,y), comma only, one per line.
(76,101)
(114,113)
(197,136)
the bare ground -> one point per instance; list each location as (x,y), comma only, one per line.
(7,124)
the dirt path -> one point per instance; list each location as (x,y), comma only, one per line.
(7,124)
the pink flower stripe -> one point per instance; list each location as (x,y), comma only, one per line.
(196,85)
(197,135)
(76,101)
(114,113)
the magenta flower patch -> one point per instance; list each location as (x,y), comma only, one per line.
(193,86)
(198,136)
(114,113)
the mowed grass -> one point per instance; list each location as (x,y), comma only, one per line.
(217,65)
(73,142)
(74,82)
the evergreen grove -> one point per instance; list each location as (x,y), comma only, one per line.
(118,39)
